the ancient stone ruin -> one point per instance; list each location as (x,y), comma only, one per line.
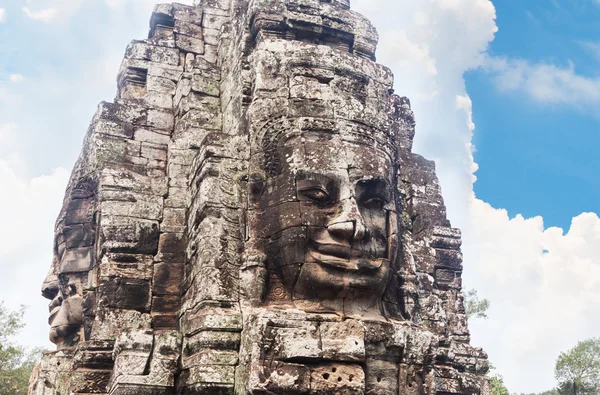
(248,218)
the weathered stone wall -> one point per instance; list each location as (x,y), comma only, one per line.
(185,252)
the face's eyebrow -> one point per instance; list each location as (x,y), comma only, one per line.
(304,176)
(378,185)
(376,181)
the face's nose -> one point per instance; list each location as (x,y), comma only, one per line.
(349,226)
(50,285)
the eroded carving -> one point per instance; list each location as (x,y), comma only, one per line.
(67,283)
(326,218)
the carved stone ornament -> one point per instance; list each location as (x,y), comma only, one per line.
(248,217)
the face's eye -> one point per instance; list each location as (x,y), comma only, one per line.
(374,203)
(316,194)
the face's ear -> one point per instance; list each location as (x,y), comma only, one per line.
(256,186)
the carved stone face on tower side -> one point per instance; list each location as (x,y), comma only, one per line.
(73,257)
(327,219)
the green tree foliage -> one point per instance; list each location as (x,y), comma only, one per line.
(16,363)
(497,382)
(578,370)
(475,307)
(570,388)
(553,391)
(497,385)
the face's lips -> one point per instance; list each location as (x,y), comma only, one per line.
(53,314)
(337,250)
(344,258)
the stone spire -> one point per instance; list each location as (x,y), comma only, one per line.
(247,217)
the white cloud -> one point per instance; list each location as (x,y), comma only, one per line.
(114,3)
(7,133)
(544,82)
(16,78)
(54,11)
(593,47)
(2,15)
(45,15)
(544,284)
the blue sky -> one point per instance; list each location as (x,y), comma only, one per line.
(504,91)
(539,158)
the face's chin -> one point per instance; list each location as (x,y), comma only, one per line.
(325,288)
(344,268)
(331,279)
(66,320)
(65,335)
(334,273)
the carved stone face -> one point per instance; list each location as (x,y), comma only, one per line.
(66,308)
(329,220)
(73,257)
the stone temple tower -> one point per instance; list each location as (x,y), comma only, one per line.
(247,217)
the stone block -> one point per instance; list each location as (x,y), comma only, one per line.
(145,51)
(171,247)
(130,235)
(298,341)
(92,358)
(152,136)
(154,151)
(159,100)
(381,378)
(79,211)
(109,323)
(167,279)
(119,113)
(126,293)
(446,279)
(205,85)
(160,84)
(211,340)
(118,129)
(162,321)
(211,357)
(215,375)
(127,265)
(287,378)
(166,304)
(140,388)
(160,119)
(200,118)
(131,363)
(174,220)
(89,381)
(211,319)
(448,259)
(127,180)
(343,341)
(145,208)
(77,260)
(335,378)
(191,44)
(81,235)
